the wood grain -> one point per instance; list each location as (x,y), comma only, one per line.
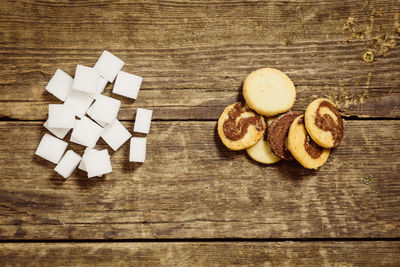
(191,186)
(202,254)
(194,55)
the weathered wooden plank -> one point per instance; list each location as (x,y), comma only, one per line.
(195,55)
(191,186)
(202,254)
(185,23)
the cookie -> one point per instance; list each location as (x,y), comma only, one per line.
(324,123)
(239,127)
(269,91)
(278,132)
(261,151)
(303,148)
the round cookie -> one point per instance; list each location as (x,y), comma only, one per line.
(239,127)
(261,151)
(303,148)
(269,91)
(278,132)
(324,123)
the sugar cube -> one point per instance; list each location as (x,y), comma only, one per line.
(97,162)
(82,164)
(61,116)
(60,85)
(90,112)
(68,164)
(86,79)
(127,84)
(79,102)
(87,132)
(76,141)
(101,85)
(108,65)
(138,149)
(142,120)
(115,135)
(59,132)
(105,109)
(51,148)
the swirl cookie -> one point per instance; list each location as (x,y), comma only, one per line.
(239,127)
(261,151)
(303,148)
(278,133)
(269,91)
(324,123)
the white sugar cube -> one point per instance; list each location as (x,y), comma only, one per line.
(105,109)
(115,135)
(87,132)
(138,149)
(59,132)
(86,79)
(142,120)
(109,65)
(82,164)
(60,85)
(51,148)
(61,116)
(68,164)
(76,141)
(97,162)
(127,84)
(101,85)
(79,102)
(90,111)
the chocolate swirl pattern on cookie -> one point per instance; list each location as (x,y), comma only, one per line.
(327,123)
(239,127)
(302,147)
(324,123)
(234,130)
(310,146)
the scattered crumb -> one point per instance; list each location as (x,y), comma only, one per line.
(369,79)
(348,25)
(370,27)
(368,56)
(287,43)
(378,40)
(368,179)
(379,13)
(382,44)
(343,99)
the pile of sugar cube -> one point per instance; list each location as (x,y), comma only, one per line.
(83,98)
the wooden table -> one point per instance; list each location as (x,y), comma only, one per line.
(193,202)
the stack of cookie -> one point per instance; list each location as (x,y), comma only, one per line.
(268,138)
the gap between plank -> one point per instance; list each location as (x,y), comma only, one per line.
(348,118)
(205,240)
